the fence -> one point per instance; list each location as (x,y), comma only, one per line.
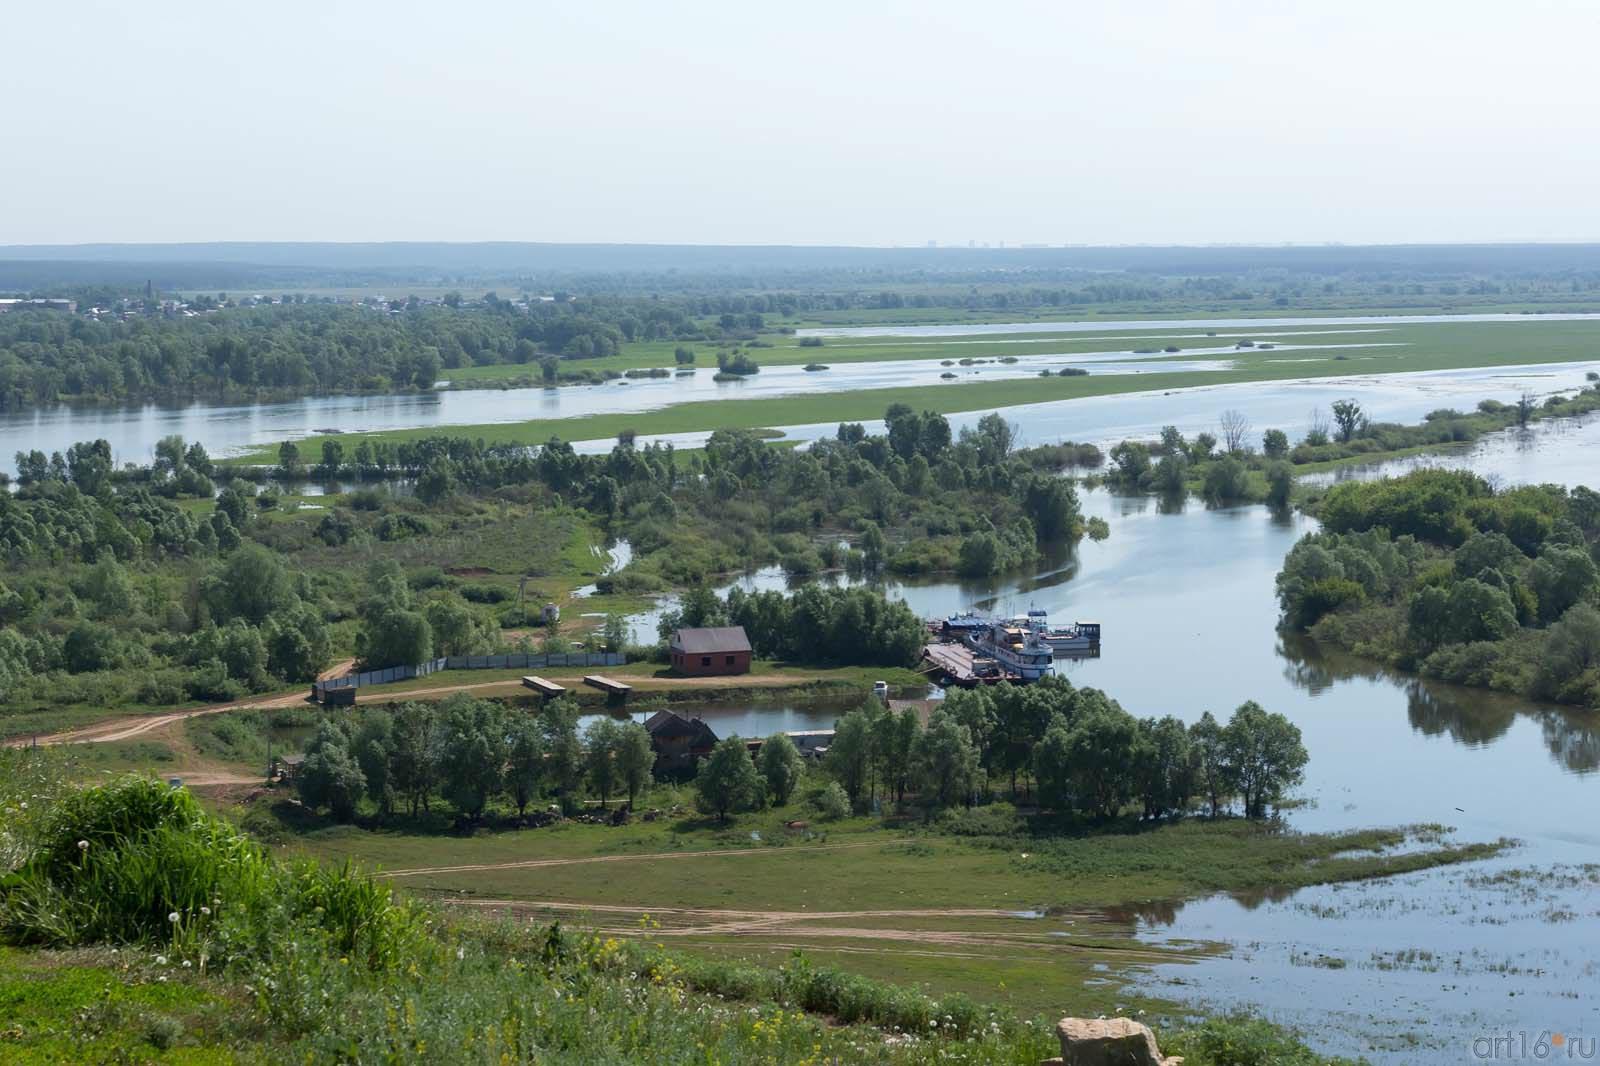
(520,661)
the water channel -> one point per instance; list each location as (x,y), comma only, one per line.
(1405,970)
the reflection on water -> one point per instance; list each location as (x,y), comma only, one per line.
(1186,596)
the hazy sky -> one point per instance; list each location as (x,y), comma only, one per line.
(808,123)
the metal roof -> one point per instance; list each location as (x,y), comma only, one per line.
(709,641)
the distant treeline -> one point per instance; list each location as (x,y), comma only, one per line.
(300,348)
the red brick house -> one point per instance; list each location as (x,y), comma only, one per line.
(701,652)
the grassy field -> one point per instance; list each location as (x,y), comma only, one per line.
(1429,347)
(1037,923)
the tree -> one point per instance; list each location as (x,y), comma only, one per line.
(290,468)
(849,757)
(330,776)
(473,754)
(635,758)
(414,754)
(371,744)
(1280,485)
(252,584)
(728,780)
(1100,749)
(1347,415)
(525,755)
(1163,767)
(781,767)
(1052,764)
(832,803)
(454,628)
(945,762)
(1275,444)
(299,644)
(564,761)
(1235,428)
(393,636)
(603,738)
(1265,756)
(1209,759)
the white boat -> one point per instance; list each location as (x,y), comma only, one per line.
(1018,651)
(1078,637)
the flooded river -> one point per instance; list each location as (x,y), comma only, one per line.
(1405,970)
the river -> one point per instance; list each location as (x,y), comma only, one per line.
(231,429)
(1406,970)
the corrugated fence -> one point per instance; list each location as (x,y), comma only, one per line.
(521,661)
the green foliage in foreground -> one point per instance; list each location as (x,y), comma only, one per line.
(338,970)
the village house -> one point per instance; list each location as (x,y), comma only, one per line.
(678,741)
(703,652)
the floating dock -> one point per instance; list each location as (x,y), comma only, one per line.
(957,664)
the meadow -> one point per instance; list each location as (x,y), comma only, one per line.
(1408,349)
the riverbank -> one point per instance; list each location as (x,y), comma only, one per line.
(1408,349)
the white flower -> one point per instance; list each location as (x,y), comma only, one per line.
(83,845)
(163,977)
(461,953)
(187,964)
(205,910)
(161,960)
(173,917)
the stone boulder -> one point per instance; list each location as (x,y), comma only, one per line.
(1107,1042)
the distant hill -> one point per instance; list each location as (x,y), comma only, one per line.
(236,264)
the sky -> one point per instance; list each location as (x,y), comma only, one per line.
(827,122)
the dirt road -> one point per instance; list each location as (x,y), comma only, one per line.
(130,727)
(530,864)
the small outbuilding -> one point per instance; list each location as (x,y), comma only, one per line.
(710,651)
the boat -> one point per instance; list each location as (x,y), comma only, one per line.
(1014,647)
(1078,637)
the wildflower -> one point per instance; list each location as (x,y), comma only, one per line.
(161,960)
(173,917)
(163,978)
(205,910)
(187,964)
(83,845)
(461,953)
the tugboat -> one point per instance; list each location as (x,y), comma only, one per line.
(1014,647)
(1078,637)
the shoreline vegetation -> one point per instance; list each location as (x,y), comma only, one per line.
(196,907)
(1243,463)
(1440,573)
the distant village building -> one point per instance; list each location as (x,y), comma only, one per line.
(678,741)
(68,306)
(704,652)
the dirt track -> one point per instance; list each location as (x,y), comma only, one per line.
(530,864)
(129,727)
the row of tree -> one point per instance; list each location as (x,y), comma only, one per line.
(471,753)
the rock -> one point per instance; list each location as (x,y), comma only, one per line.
(1108,1042)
